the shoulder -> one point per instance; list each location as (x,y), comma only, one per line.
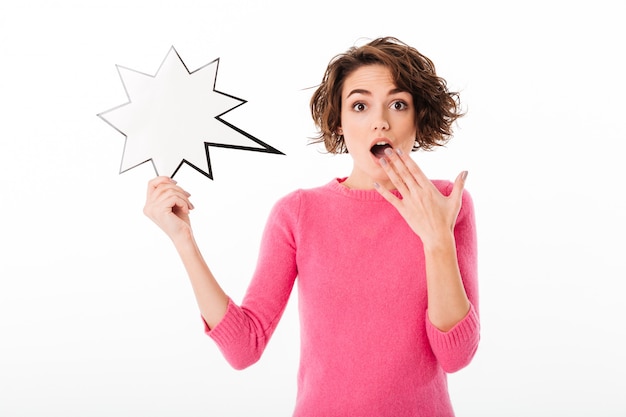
(306,195)
(287,203)
(294,199)
(292,208)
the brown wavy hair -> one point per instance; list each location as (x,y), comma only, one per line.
(436,108)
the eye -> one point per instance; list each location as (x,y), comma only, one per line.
(358,106)
(399,105)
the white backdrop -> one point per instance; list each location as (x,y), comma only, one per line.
(97,317)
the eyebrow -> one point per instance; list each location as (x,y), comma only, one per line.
(367,92)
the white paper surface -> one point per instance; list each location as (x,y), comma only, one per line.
(174,117)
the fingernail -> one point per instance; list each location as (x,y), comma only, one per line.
(388,152)
(376,185)
(399,151)
(383,161)
(464,175)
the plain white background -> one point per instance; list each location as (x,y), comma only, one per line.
(96,314)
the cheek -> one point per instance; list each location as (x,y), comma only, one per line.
(408,138)
(408,131)
(404,123)
(351,146)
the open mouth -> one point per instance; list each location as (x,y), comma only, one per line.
(379,149)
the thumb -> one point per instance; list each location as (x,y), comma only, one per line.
(459,184)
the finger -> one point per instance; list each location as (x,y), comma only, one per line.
(167,194)
(387,195)
(169,202)
(409,171)
(416,172)
(401,167)
(183,200)
(164,189)
(161,185)
(162,179)
(393,175)
(459,185)
(181,205)
(157,182)
(174,194)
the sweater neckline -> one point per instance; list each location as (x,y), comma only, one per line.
(358,194)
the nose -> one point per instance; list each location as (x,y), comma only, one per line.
(380,122)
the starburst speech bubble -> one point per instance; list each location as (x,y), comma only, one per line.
(173,117)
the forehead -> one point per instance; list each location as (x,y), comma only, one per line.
(369,78)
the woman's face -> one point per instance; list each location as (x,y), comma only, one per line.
(375,115)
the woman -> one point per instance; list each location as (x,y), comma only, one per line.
(385,259)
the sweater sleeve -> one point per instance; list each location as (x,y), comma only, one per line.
(455,348)
(245,330)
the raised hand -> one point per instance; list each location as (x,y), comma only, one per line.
(168,205)
(428,212)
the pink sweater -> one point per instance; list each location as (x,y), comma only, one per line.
(367,346)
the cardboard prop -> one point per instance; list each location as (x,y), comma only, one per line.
(174,117)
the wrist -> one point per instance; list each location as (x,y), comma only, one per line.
(443,243)
(183,239)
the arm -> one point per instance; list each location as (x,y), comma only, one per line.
(432,216)
(456,346)
(447,300)
(445,224)
(168,206)
(241,332)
